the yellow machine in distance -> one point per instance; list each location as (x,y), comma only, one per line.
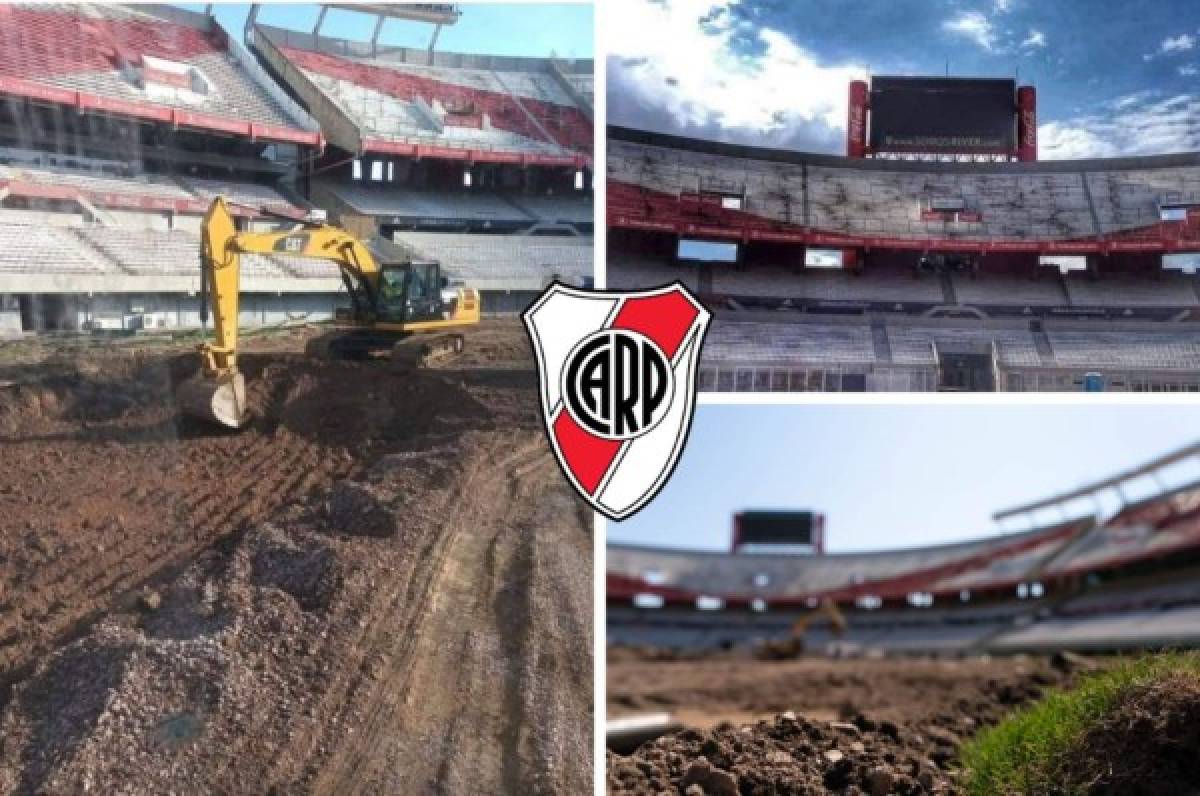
(392,297)
(793,646)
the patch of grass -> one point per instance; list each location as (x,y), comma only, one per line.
(1026,752)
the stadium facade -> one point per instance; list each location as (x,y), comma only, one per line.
(119,124)
(860,274)
(1091,580)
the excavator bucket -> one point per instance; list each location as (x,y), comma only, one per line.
(216,400)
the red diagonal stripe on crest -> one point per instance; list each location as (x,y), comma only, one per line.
(588,456)
(666,319)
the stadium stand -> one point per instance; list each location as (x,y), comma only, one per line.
(755,351)
(506,261)
(881,285)
(26,249)
(120,124)
(802,193)
(998,290)
(146,62)
(440,206)
(405,101)
(1116,580)
(1025,276)
(244,194)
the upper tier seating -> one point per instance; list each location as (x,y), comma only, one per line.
(873,200)
(774,577)
(461,107)
(99,49)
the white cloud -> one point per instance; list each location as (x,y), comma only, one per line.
(1133,125)
(1181,43)
(1035,40)
(1189,70)
(975,26)
(1003,6)
(668,64)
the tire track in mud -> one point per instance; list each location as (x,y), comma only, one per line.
(463,706)
(159,503)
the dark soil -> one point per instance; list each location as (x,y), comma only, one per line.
(815,725)
(1149,743)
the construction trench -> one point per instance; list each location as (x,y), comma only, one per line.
(383,584)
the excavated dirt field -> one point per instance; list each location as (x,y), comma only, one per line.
(382,585)
(814,725)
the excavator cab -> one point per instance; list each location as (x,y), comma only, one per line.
(410,292)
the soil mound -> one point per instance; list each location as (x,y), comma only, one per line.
(814,725)
(789,755)
(1146,745)
(306,569)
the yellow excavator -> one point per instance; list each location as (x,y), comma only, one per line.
(793,645)
(393,297)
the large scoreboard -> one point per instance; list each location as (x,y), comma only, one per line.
(779,529)
(943,114)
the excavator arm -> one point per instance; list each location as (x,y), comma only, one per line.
(222,246)
(390,301)
(221,395)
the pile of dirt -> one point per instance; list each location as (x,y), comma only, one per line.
(1146,744)
(69,395)
(815,725)
(789,755)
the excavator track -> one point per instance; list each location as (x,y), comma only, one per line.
(426,350)
(407,352)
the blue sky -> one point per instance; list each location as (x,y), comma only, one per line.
(1113,77)
(900,476)
(564,29)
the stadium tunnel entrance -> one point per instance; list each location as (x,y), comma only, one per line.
(965,367)
(41,312)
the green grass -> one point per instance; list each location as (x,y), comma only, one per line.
(1025,752)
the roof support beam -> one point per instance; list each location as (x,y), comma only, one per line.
(375,36)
